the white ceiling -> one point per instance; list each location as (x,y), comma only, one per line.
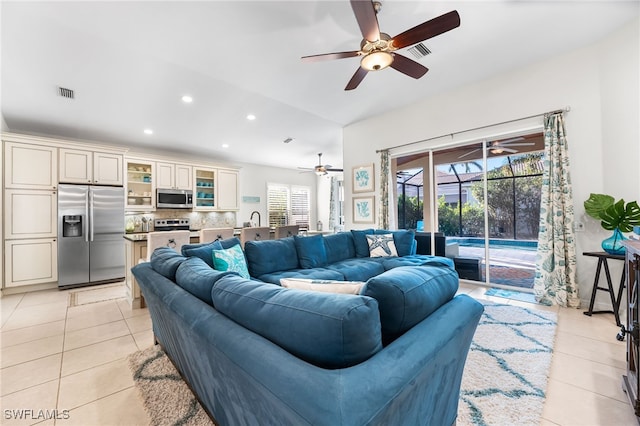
(130,63)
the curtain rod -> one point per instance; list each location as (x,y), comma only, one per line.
(557,111)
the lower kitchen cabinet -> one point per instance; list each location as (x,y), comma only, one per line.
(32,261)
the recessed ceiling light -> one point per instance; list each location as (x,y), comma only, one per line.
(225,145)
(148,131)
(187,99)
(251,117)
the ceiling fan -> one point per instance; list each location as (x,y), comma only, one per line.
(321,169)
(378,50)
(498,147)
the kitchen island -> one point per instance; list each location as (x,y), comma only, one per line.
(135,251)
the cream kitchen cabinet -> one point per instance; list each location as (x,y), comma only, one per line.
(173,176)
(227,189)
(30,214)
(30,166)
(32,261)
(88,167)
(140,185)
(205,185)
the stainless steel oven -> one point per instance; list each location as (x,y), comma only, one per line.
(174,198)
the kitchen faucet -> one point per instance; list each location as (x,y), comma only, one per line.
(251,217)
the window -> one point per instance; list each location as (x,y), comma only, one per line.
(288,205)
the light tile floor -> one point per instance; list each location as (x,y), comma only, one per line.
(56,357)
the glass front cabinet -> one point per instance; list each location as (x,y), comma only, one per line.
(204,192)
(140,186)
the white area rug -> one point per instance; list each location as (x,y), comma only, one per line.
(507,368)
(98,294)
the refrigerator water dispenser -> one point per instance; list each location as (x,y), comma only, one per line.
(72,226)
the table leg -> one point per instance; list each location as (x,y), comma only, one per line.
(612,293)
(595,287)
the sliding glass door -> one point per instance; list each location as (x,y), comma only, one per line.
(486,202)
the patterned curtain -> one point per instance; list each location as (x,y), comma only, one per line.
(555,281)
(383,220)
(332,203)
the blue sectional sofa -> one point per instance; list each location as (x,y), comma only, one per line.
(257,353)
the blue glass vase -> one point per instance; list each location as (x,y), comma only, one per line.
(613,244)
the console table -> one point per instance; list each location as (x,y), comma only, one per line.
(615,300)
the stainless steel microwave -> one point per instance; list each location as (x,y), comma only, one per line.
(174,198)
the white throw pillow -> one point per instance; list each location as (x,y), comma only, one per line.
(381,245)
(327,286)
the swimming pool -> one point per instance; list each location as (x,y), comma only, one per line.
(494,243)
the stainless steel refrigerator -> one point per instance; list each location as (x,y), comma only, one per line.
(90,235)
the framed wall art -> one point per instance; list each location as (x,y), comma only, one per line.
(364,209)
(363,178)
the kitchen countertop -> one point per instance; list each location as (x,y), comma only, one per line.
(142,236)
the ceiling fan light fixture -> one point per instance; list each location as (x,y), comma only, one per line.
(376,61)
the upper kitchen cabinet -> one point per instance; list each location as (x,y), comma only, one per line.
(173,176)
(140,185)
(205,188)
(30,166)
(88,167)
(228,189)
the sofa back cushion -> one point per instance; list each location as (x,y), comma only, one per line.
(311,251)
(404,240)
(339,247)
(205,250)
(360,241)
(267,256)
(165,261)
(408,294)
(196,277)
(324,329)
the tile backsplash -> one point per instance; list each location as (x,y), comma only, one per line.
(199,220)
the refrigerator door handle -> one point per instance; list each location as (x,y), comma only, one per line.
(91,213)
(86,214)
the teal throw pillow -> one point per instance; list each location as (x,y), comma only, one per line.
(231,259)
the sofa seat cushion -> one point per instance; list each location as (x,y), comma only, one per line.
(165,261)
(325,329)
(416,260)
(196,277)
(357,269)
(408,294)
(266,256)
(315,273)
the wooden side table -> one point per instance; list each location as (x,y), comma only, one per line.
(615,300)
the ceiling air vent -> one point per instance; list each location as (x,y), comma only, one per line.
(66,93)
(419,51)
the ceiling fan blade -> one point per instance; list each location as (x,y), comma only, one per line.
(508,141)
(408,66)
(469,153)
(356,79)
(367,20)
(328,56)
(334,170)
(517,144)
(426,30)
(500,149)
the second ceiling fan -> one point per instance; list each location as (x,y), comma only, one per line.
(378,50)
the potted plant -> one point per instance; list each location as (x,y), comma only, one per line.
(614,216)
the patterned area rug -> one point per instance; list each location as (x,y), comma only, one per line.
(503,384)
(506,373)
(166,397)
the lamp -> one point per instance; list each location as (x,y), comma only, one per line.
(376,60)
